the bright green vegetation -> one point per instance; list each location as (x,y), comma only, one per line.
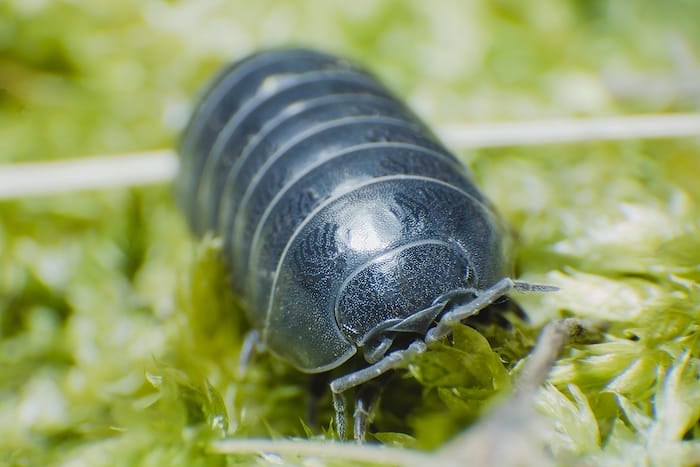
(119,342)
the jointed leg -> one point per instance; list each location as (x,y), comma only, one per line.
(471,308)
(339,406)
(354,379)
(443,328)
(393,360)
(483,299)
(366,402)
(362,419)
(251,345)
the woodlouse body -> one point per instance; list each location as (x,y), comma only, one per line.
(346,224)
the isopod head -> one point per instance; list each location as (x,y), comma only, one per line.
(379,264)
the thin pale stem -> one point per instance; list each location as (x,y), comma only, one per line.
(515,422)
(100,172)
(326,449)
(45,178)
(478,135)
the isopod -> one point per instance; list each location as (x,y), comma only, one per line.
(350,232)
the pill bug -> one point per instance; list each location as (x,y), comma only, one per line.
(350,232)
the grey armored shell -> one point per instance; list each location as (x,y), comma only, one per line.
(345,222)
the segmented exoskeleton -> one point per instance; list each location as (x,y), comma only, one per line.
(346,224)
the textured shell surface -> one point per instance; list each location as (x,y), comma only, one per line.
(345,222)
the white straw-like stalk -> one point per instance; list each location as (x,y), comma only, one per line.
(99,172)
(572,130)
(43,178)
(373,453)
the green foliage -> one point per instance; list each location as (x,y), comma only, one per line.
(120,340)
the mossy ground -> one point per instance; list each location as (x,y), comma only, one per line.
(119,342)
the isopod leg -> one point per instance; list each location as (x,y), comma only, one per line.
(339,406)
(391,361)
(443,328)
(354,379)
(366,402)
(483,299)
(364,408)
(361,419)
(471,308)
(252,344)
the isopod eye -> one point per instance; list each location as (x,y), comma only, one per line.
(396,292)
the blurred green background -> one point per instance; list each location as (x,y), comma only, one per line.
(94,77)
(112,318)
